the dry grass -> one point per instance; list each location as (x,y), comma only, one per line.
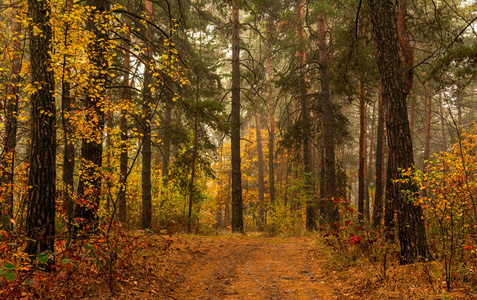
(365,278)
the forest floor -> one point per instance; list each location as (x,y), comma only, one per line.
(236,266)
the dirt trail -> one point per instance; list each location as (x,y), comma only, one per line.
(240,267)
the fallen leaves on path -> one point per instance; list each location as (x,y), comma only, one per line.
(240,267)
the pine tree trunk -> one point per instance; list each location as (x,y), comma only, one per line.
(166,153)
(40,222)
(123,126)
(458,98)
(261,180)
(271,135)
(237,202)
(108,177)
(146,212)
(380,140)
(362,186)
(443,122)
(89,185)
(311,208)
(322,203)
(427,148)
(193,167)
(389,199)
(395,78)
(331,210)
(412,115)
(369,169)
(68,130)
(228,221)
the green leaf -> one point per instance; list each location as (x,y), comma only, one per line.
(9,275)
(65,261)
(43,257)
(9,266)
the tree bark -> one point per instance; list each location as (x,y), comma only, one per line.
(443,122)
(330,208)
(362,186)
(271,135)
(261,180)
(108,177)
(237,202)
(166,154)
(228,221)
(412,115)
(146,212)
(195,145)
(458,99)
(311,207)
(193,167)
(427,148)
(40,222)
(395,79)
(380,140)
(369,169)
(89,186)
(68,129)
(123,127)
(389,200)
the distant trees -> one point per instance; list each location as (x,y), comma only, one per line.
(11,104)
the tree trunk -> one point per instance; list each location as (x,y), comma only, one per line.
(331,209)
(271,135)
(108,167)
(146,212)
(322,203)
(380,140)
(10,123)
(261,181)
(193,167)
(89,186)
(443,122)
(369,169)
(40,222)
(166,153)
(395,78)
(389,205)
(228,220)
(427,148)
(306,128)
(458,99)
(237,202)
(68,129)
(362,186)
(123,127)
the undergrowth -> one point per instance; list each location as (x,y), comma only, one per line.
(104,261)
(369,263)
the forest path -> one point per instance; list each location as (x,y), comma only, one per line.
(242,267)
